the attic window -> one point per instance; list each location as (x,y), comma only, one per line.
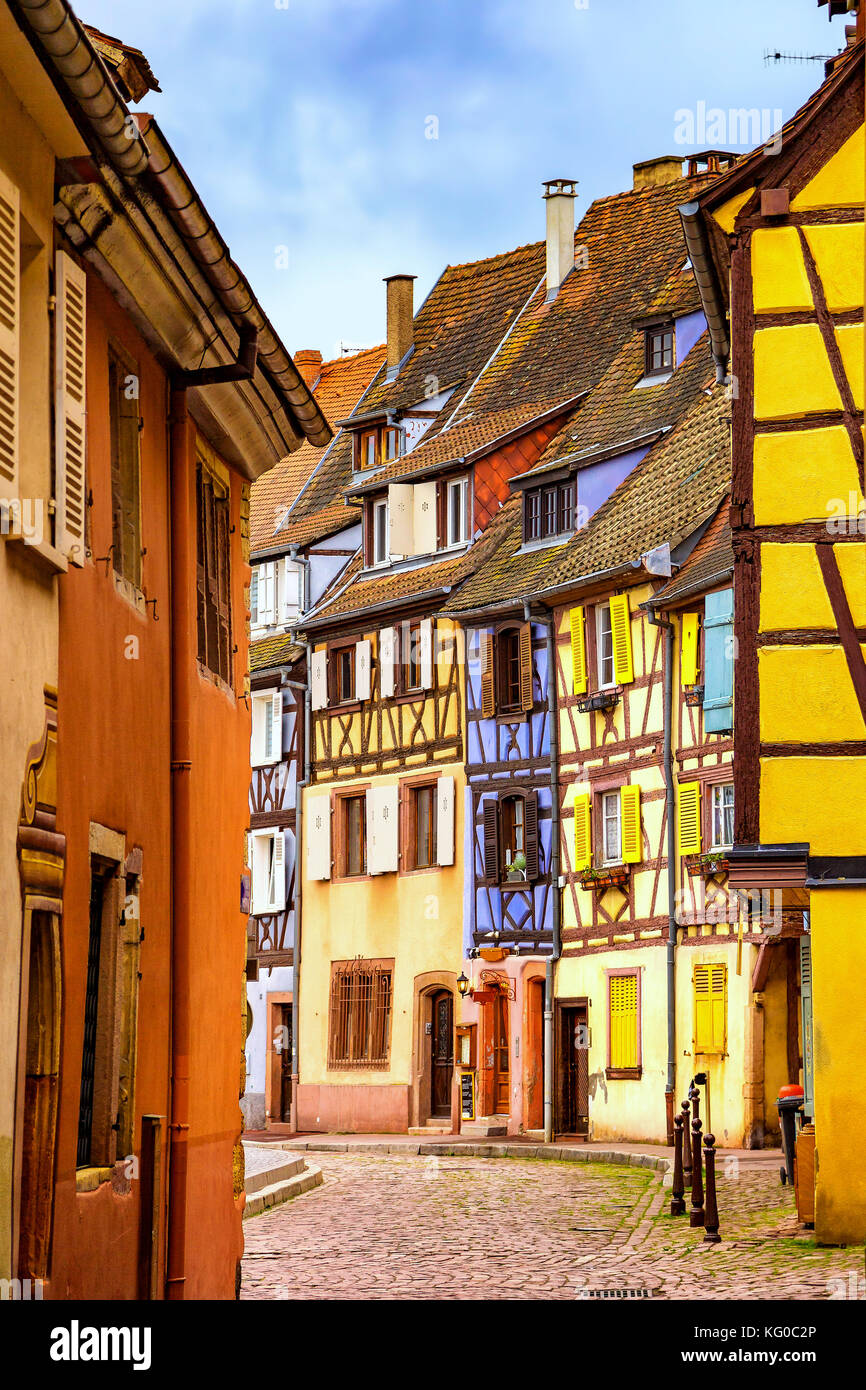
(374,447)
(659,350)
(548,511)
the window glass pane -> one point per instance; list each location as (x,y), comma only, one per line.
(425,828)
(549,526)
(380,533)
(612,838)
(566,507)
(356,862)
(533,516)
(605,646)
(723,816)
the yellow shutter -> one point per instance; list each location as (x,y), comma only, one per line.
(632,841)
(578,650)
(623,1021)
(620,623)
(9,335)
(582,834)
(710,983)
(689,650)
(689,818)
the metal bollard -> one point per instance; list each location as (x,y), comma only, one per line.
(678,1206)
(696,1215)
(687,1145)
(711,1211)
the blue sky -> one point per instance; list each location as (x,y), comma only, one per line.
(304,123)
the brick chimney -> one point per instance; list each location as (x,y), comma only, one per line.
(559,195)
(666,168)
(400,330)
(309,364)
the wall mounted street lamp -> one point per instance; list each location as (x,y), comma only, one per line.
(462,985)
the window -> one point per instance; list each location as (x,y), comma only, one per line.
(254,597)
(623,1048)
(390,443)
(722,816)
(548,511)
(124,425)
(423,817)
(359,1024)
(456,512)
(509,669)
(110,1003)
(369,449)
(380,533)
(345,669)
(91,1019)
(510,828)
(710,1007)
(411,654)
(513,829)
(376,446)
(604,638)
(213,583)
(353,814)
(659,350)
(268,871)
(266,733)
(611,820)
(507,672)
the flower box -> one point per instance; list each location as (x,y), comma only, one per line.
(694,696)
(716,863)
(602,699)
(611,876)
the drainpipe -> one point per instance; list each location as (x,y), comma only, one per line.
(550,965)
(182,664)
(670,804)
(299,889)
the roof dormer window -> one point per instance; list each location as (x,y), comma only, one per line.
(659,350)
(548,511)
(376,447)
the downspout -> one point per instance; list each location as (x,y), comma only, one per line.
(550,965)
(708,288)
(670,804)
(182,664)
(299,889)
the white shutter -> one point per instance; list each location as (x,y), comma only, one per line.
(267,593)
(387,651)
(445,820)
(427,653)
(259,874)
(400,519)
(257,732)
(69,406)
(362,669)
(278,898)
(9,333)
(291,595)
(319,679)
(424,517)
(276,713)
(317,833)
(254,597)
(382,825)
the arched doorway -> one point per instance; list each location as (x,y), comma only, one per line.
(441,1053)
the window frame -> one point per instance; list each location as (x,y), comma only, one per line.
(462,482)
(341,834)
(258,699)
(600,658)
(610,796)
(121,366)
(406,650)
(518,826)
(510,635)
(213,550)
(427,787)
(379,506)
(541,522)
(336,651)
(257,835)
(345,1023)
(663,331)
(720,787)
(620,1073)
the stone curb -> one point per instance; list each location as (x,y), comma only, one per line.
(283,1191)
(564,1153)
(268,1177)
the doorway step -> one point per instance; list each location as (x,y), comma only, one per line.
(440,1126)
(485,1126)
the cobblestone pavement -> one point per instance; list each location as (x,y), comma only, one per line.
(384,1226)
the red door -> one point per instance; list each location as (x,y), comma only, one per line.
(501,1057)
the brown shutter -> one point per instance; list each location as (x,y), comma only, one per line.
(531,835)
(526,667)
(491,841)
(487,698)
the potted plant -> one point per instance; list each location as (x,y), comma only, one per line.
(605,876)
(516,868)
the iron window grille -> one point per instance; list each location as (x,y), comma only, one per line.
(360,1015)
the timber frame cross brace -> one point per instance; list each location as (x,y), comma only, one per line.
(242,370)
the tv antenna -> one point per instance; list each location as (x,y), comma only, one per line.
(773,57)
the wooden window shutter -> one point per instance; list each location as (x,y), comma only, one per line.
(488,703)
(319,679)
(317,834)
(387,661)
(710,1000)
(578,650)
(620,622)
(383,814)
(441,534)
(491,841)
(526,667)
(623,1021)
(426,645)
(10,329)
(632,840)
(530,807)
(689,649)
(718,703)
(70,406)
(582,833)
(279,895)
(689,818)
(425,524)
(445,820)
(362,669)
(276,713)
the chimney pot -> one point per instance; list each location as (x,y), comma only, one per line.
(400,331)
(309,364)
(559,195)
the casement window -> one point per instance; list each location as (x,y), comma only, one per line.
(390,443)
(721,815)
(379,519)
(373,447)
(124,421)
(690,649)
(604,646)
(423,826)
(456,511)
(348,674)
(710,987)
(608,828)
(406,658)
(266,741)
(410,650)
(344,673)
(659,350)
(689,818)
(70,406)
(110,998)
(506,671)
(359,1020)
(623,1013)
(352,811)
(548,511)
(368,449)
(510,826)
(718,701)
(213,577)
(268,871)
(611,828)
(428,824)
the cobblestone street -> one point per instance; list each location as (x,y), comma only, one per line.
(385,1226)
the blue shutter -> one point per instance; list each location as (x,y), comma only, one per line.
(719,662)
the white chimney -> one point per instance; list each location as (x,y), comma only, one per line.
(559,195)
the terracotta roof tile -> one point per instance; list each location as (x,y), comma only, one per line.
(270,652)
(710,563)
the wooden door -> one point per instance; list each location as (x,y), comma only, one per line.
(501,1057)
(574,1059)
(534,1062)
(442,1054)
(286,1063)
